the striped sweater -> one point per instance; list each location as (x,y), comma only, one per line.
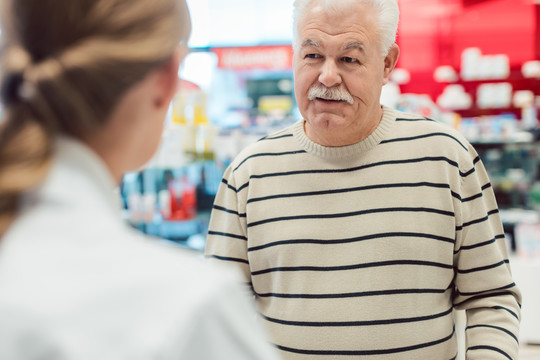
(363,251)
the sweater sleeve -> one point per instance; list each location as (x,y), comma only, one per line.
(483,282)
(227,231)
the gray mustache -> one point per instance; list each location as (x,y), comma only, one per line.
(330,94)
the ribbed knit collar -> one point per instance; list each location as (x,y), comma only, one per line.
(339,152)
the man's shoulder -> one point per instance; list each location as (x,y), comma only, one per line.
(426,126)
(278,142)
(410,119)
(273,140)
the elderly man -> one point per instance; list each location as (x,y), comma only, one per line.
(360,229)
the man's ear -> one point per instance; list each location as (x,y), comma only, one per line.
(167,77)
(390,62)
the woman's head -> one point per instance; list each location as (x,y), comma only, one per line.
(66,66)
(387,19)
(68,62)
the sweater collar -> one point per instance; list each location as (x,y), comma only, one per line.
(339,152)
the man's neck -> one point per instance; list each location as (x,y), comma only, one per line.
(344,136)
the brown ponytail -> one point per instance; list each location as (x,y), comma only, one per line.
(25,145)
(24,161)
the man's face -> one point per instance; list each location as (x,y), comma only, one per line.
(340,52)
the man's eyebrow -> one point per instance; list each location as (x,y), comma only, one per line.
(310,42)
(355,45)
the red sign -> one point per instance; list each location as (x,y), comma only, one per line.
(278,57)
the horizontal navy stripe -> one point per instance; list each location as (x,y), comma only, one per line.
(354,266)
(270,154)
(226,183)
(479,297)
(486,291)
(362,167)
(423,136)
(351,240)
(357,168)
(492,212)
(477,221)
(467,173)
(496,328)
(487,186)
(485,243)
(358,323)
(353,189)
(485,347)
(415,119)
(506,309)
(471,198)
(234,236)
(354,294)
(276,137)
(349,214)
(221,208)
(224,258)
(366,352)
(482,268)
(470,247)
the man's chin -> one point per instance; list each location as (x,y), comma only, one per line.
(328,122)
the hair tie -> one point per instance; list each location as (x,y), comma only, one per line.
(11,88)
(15,89)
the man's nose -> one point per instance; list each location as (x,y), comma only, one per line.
(330,75)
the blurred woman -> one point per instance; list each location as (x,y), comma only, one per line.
(86,85)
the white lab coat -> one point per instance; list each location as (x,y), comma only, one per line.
(77,283)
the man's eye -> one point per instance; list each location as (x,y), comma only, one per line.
(349,60)
(313,56)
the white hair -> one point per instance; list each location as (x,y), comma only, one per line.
(387,17)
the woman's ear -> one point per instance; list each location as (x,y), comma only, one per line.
(167,78)
(390,62)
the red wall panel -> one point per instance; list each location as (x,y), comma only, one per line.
(435,32)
